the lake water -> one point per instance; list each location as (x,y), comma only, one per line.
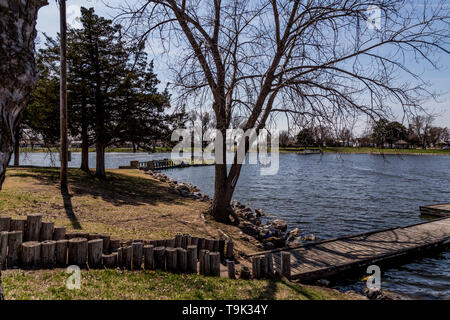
(335,195)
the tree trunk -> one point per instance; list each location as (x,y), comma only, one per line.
(17,69)
(100,165)
(17,147)
(84,142)
(224,186)
(64,152)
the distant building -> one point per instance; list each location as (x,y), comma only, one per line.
(401,144)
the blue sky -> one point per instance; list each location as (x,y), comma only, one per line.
(48,22)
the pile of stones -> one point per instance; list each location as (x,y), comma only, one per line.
(180,188)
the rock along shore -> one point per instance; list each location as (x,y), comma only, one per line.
(255,223)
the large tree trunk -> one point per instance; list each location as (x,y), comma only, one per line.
(84,142)
(17,69)
(224,185)
(100,164)
(17,147)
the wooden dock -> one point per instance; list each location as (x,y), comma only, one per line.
(161,164)
(329,258)
(436,210)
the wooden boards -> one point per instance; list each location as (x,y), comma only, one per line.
(327,258)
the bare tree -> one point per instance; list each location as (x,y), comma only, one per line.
(421,125)
(313,58)
(18,74)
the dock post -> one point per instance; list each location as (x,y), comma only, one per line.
(286,264)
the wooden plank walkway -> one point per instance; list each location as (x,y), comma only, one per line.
(437,210)
(328,258)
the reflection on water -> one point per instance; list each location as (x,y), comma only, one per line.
(335,195)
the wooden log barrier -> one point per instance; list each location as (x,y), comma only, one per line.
(138,251)
(214,258)
(286,264)
(229,254)
(209,244)
(18,225)
(231,269)
(95,251)
(245,273)
(178,239)
(222,249)
(182,259)
(149,260)
(127,257)
(160,260)
(33,231)
(48,257)
(194,241)
(82,235)
(15,239)
(46,232)
(59,233)
(216,245)
(114,245)
(5,223)
(120,257)
(3,248)
(205,265)
(268,264)
(94,236)
(201,245)
(170,243)
(184,241)
(171,259)
(106,240)
(77,252)
(61,252)
(192,258)
(110,260)
(201,256)
(30,254)
(256,267)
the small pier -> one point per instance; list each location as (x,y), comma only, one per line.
(436,210)
(162,164)
(326,259)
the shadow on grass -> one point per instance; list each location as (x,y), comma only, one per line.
(117,189)
(270,291)
(67,198)
(300,290)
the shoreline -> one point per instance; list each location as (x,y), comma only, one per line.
(337,150)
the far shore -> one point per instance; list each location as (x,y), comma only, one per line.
(338,150)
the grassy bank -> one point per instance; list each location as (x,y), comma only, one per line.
(373,151)
(152,285)
(128,205)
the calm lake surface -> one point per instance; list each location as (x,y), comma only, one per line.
(334,195)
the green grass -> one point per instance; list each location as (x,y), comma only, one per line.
(155,285)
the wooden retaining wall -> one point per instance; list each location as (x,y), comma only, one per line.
(34,244)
